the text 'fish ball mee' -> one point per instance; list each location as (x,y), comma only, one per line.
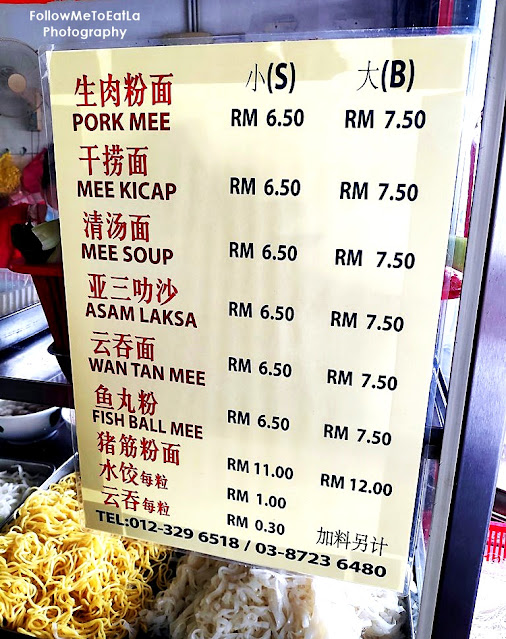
(58,581)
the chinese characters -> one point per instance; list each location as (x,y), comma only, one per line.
(129,91)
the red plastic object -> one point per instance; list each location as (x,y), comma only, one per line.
(32,174)
(48,280)
(8,217)
(452,284)
(496,542)
(445,15)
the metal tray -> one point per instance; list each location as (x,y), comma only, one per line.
(51,476)
(34,468)
(21,325)
(65,469)
(42,470)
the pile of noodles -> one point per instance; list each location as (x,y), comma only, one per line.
(14,484)
(211,599)
(58,581)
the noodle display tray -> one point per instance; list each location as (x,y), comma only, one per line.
(44,471)
(70,466)
(52,477)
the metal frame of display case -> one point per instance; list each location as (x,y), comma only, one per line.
(476,402)
(481,441)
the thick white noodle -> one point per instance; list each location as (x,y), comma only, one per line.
(211,599)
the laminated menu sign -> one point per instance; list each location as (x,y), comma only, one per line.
(254,240)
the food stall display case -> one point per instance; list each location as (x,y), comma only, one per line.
(466,407)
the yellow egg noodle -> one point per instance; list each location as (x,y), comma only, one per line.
(58,581)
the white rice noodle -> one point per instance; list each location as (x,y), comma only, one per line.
(132,630)
(13,487)
(211,599)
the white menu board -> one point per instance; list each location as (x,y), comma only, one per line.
(254,241)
